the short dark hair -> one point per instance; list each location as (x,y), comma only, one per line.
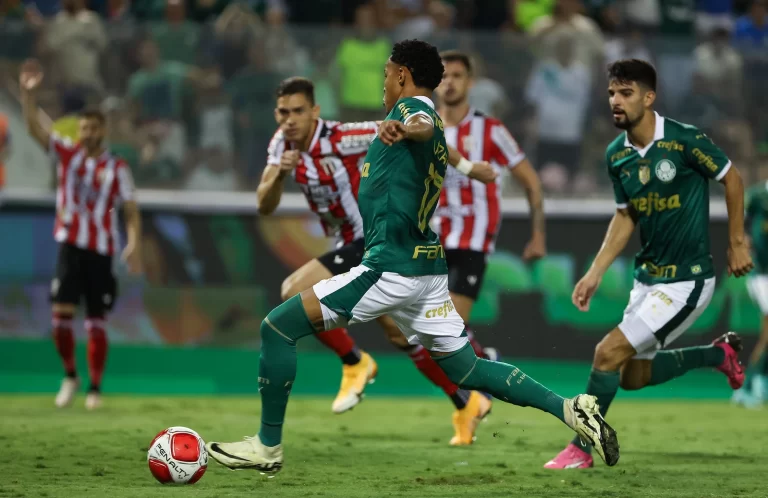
(422,60)
(94,114)
(633,70)
(457,56)
(292,86)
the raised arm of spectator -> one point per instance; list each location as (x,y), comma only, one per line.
(29,81)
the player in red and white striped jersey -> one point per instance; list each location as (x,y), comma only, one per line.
(323,157)
(92,185)
(468,216)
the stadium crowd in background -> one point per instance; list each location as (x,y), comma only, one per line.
(188,86)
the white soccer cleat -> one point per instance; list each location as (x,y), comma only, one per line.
(250,453)
(93,401)
(67,391)
(583,416)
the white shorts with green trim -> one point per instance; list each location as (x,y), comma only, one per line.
(660,313)
(420,306)
(757,286)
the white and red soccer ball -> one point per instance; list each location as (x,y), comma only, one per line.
(177,456)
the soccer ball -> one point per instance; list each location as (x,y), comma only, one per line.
(177,456)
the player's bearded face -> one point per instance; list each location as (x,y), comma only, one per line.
(393,84)
(91,133)
(627,103)
(455,85)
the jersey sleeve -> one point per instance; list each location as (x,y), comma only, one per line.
(410,109)
(706,157)
(353,139)
(619,195)
(276,148)
(504,148)
(125,186)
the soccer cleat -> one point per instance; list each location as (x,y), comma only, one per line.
(93,400)
(730,343)
(572,457)
(465,420)
(353,382)
(250,453)
(583,416)
(67,391)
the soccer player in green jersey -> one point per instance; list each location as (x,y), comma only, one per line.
(755,388)
(403,275)
(660,170)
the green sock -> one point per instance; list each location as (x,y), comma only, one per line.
(604,385)
(502,381)
(671,364)
(277,366)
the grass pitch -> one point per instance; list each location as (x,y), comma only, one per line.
(386,447)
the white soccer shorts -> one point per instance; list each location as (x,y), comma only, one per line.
(420,306)
(757,286)
(658,314)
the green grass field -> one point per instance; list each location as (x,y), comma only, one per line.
(385,447)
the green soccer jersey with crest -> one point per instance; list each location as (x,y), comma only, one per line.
(666,185)
(399,189)
(757,218)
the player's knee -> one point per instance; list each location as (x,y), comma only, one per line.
(63,308)
(398,340)
(288,289)
(607,358)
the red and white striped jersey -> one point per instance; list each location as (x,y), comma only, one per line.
(329,173)
(468,215)
(88,195)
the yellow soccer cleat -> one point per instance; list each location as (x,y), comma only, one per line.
(353,382)
(465,420)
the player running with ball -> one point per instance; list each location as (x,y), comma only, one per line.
(660,171)
(403,274)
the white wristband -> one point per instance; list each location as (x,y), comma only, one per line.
(464,167)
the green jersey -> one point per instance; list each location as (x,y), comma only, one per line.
(757,217)
(399,189)
(666,186)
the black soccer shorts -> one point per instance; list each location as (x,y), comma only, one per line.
(344,258)
(81,273)
(466,270)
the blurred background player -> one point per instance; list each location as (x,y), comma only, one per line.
(92,184)
(755,388)
(468,216)
(660,171)
(323,157)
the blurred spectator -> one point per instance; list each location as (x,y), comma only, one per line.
(558,90)
(72,104)
(720,67)
(287,57)
(712,15)
(316,12)
(644,13)
(252,92)
(527,12)
(12,9)
(46,8)
(677,17)
(5,150)
(752,29)
(487,95)
(232,34)
(177,38)
(629,45)
(566,21)
(76,39)
(361,60)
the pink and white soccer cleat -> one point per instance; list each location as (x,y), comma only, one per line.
(572,457)
(730,343)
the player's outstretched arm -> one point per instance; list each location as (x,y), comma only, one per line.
(29,81)
(270,189)
(616,239)
(739,257)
